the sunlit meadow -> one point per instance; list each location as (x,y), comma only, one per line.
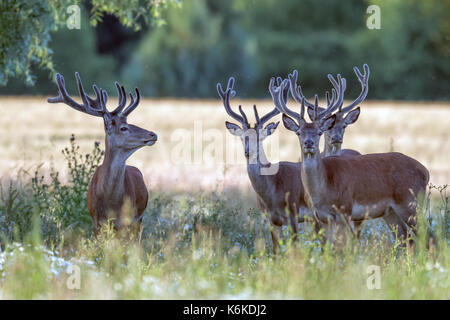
(203,236)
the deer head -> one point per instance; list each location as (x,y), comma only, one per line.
(308,133)
(251,137)
(344,116)
(121,137)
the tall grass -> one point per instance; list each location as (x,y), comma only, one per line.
(201,245)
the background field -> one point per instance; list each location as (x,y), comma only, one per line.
(34,132)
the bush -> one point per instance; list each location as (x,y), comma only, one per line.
(61,208)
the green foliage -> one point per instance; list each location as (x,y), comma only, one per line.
(26,27)
(206,41)
(205,266)
(201,44)
(61,208)
(67,59)
(15,211)
(410,54)
(306,35)
(209,41)
(132,13)
(182,220)
(64,207)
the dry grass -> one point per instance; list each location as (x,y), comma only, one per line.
(33,132)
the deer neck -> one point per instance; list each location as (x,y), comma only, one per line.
(258,157)
(113,178)
(314,176)
(255,163)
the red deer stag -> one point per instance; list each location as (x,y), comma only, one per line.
(335,136)
(273,183)
(117,192)
(339,189)
(344,116)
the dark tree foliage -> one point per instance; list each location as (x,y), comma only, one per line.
(201,42)
(26,26)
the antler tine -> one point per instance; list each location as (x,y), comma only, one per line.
(81,90)
(279,81)
(302,109)
(338,90)
(225,96)
(280,104)
(95,103)
(340,97)
(286,90)
(333,97)
(364,80)
(103,99)
(268,116)
(244,117)
(296,90)
(316,106)
(88,102)
(256,113)
(230,86)
(260,121)
(122,98)
(133,103)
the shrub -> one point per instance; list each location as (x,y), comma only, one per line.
(61,208)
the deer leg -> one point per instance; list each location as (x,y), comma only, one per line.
(342,230)
(407,214)
(330,231)
(357,228)
(294,223)
(396,224)
(407,211)
(275,232)
(335,230)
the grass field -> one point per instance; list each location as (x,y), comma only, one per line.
(203,236)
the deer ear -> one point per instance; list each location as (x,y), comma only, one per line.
(270,128)
(328,123)
(352,116)
(289,123)
(233,128)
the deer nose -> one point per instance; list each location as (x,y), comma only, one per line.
(309,143)
(153,136)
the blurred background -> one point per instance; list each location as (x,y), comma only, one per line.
(185,47)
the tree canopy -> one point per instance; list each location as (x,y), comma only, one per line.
(26,27)
(183,49)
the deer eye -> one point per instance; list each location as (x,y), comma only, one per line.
(123,129)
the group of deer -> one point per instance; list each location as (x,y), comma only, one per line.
(337,188)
